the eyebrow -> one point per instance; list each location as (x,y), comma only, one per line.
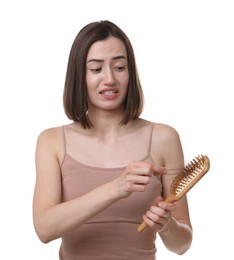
(114,58)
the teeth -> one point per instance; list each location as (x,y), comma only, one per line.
(108,92)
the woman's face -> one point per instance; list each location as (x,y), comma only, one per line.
(107,74)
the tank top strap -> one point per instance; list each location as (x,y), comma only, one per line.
(64,140)
(150,138)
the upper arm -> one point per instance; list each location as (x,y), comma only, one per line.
(48,176)
(168,141)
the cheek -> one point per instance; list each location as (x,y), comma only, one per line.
(126,82)
(91,82)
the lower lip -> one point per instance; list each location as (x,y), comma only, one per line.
(109,97)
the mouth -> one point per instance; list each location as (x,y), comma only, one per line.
(108,92)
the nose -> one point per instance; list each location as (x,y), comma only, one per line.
(109,78)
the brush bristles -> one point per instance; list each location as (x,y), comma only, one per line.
(189,173)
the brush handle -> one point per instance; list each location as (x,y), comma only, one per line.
(142,227)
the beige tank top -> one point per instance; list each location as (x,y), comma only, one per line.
(112,234)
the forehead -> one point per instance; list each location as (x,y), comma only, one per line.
(106,49)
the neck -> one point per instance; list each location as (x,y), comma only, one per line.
(106,124)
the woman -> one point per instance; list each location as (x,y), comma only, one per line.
(99,177)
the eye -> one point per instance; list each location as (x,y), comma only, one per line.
(95,71)
(119,68)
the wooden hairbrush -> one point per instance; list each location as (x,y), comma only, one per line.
(185,180)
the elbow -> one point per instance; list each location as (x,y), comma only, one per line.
(43,238)
(43,234)
(178,238)
(186,246)
(183,251)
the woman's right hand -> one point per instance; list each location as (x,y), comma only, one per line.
(136,177)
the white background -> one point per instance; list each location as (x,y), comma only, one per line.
(185,55)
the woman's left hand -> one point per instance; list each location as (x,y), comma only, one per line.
(159,214)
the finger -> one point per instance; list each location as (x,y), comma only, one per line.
(140,171)
(159,170)
(148,221)
(140,168)
(157,200)
(158,212)
(152,223)
(138,179)
(167,205)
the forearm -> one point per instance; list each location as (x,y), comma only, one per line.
(57,220)
(176,236)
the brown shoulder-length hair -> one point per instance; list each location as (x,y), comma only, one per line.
(75,89)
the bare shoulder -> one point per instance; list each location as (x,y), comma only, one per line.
(50,142)
(165,132)
(161,132)
(166,145)
(50,135)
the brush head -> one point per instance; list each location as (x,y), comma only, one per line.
(189,176)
